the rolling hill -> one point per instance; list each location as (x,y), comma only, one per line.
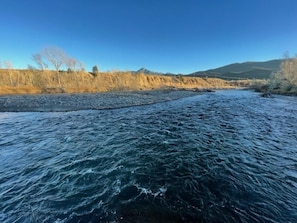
(247,70)
(235,71)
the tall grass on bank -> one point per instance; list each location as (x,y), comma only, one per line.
(284,81)
(46,81)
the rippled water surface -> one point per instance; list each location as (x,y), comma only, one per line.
(229,156)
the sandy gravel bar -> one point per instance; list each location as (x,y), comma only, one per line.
(95,101)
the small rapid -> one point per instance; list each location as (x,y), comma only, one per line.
(228,156)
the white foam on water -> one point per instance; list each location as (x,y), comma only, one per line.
(89,171)
(160,192)
(59,220)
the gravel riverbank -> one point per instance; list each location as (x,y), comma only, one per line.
(97,101)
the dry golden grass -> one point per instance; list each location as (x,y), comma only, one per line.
(19,90)
(33,81)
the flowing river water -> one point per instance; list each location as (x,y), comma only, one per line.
(228,156)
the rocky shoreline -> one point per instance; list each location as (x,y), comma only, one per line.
(87,101)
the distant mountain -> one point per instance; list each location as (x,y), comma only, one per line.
(146,71)
(247,70)
(235,71)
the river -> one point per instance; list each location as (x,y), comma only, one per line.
(228,156)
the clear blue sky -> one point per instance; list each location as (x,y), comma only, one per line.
(179,36)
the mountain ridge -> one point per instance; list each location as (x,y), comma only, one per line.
(245,70)
(234,71)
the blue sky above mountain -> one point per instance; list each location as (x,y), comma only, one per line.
(165,36)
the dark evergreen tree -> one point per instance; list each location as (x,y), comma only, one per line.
(95,70)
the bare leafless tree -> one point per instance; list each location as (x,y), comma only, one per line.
(55,56)
(81,66)
(30,67)
(38,59)
(9,67)
(71,63)
(73,66)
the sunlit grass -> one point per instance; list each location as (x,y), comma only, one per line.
(35,81)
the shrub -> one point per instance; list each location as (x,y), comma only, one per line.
(285,79)
(95,70)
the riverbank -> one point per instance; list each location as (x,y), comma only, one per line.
(45,82)
(268,89)
(88,101)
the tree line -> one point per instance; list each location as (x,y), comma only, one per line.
(54,57)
